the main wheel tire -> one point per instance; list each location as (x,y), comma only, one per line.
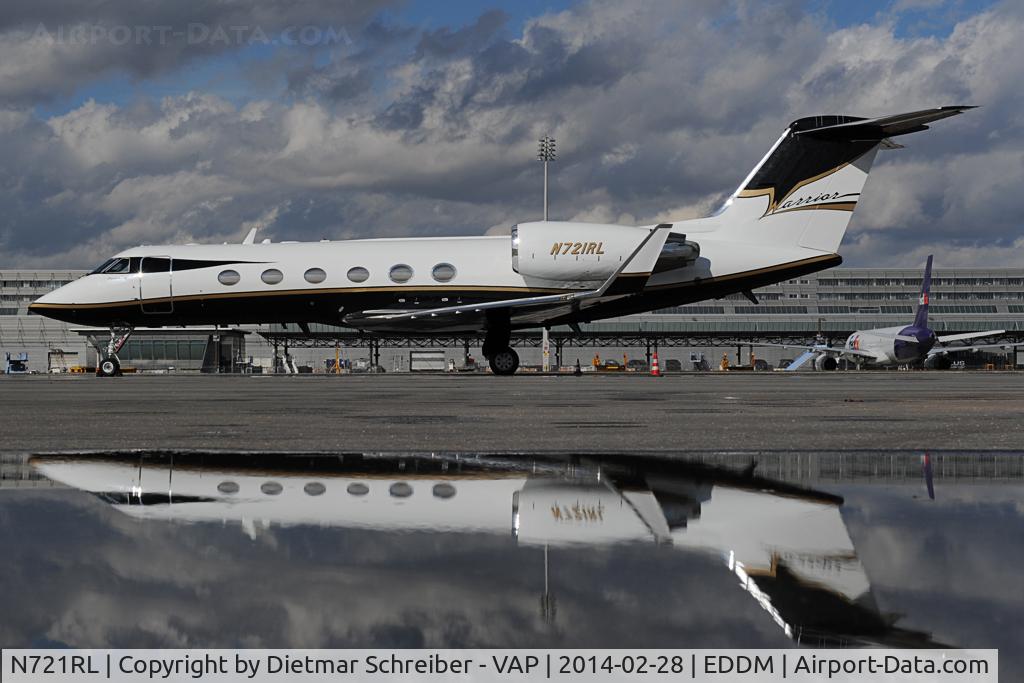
(504,362)
(109,367)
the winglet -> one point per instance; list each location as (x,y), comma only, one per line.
(250,238)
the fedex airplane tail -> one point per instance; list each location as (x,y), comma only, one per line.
(804,191)
(921,317)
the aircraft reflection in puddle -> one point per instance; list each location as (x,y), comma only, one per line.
(787,545)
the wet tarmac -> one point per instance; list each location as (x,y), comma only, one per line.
(880,509)
(693,550)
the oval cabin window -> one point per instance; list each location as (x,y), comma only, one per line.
(444,490)
(358,274)
(314,488)
(315,275)
(400,273)
(400,490)
(271,488)
(443,272)
(358,488)
(272,276)
(229,277)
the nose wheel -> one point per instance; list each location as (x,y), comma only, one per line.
(109,365)
(504,362)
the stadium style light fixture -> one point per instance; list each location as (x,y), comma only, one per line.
(545,154)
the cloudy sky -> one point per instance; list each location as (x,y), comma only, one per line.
(128,122)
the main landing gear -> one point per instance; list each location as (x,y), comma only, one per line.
(109,365)
(497,349)
(504,362)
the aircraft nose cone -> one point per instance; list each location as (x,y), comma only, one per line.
(48,299)
(55,304)
(41,302)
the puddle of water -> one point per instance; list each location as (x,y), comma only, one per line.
(519,550)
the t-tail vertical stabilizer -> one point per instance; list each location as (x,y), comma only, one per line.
(803,192)
(921,317)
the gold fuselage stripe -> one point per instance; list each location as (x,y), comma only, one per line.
(833,206)
(346,290)
(429,290)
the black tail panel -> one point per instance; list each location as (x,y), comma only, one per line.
(799,161)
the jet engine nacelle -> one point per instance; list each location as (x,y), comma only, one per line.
(572,252)
(826,362)
(565,512)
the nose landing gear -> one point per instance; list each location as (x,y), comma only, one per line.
(110,365)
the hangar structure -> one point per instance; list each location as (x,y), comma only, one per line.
(832,304)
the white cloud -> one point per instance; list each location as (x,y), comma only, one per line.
(658,113)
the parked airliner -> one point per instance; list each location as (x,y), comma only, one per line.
(901,345)
(786,545)
(787,218)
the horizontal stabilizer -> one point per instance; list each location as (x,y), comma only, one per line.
(854,128)
(969,335)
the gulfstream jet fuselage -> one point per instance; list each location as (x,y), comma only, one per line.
(787,218)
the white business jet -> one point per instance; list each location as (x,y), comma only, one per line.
(785,219)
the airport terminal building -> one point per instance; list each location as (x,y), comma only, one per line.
(832,304)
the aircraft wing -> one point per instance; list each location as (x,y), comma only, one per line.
(976,347)
(823,349)
(968,335)
(805,347)
(572,299)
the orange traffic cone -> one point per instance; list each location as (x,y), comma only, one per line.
(655,370)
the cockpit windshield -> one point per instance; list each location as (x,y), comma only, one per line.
(116,266)
(100,267)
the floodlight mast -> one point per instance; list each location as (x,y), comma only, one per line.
(546,153)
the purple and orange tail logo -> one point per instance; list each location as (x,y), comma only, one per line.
(924,299)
